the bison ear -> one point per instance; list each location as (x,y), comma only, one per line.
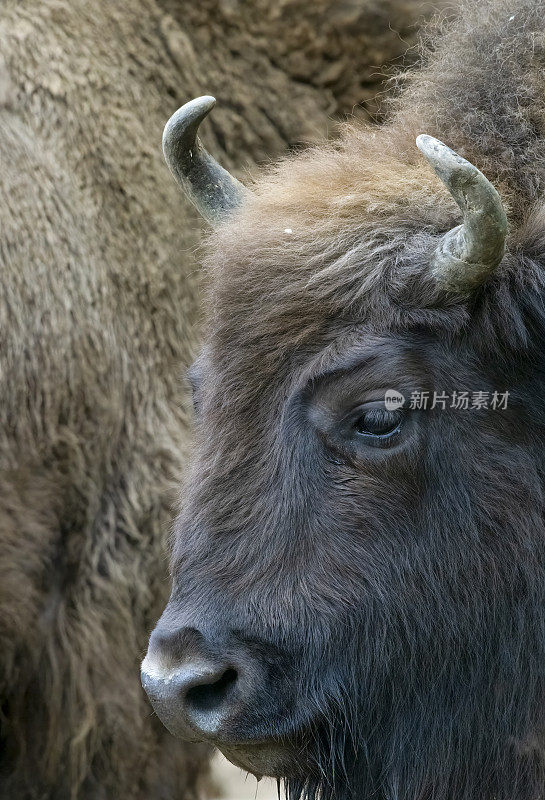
(469,253)
(211,189)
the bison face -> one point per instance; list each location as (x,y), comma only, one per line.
(352,582)
(359,564)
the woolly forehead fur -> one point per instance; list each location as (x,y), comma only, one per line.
(300,259)
(344,233)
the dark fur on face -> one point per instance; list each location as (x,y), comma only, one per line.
(401,590)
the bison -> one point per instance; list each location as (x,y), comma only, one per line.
(99,305)
(358,599)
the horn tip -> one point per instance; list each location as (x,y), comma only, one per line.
(446,162)
(422,140)
(429,145)
(204,102)
(181,128)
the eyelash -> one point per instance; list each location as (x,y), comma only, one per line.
(358,426)
(385,422)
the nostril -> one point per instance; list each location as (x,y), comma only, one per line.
(206,697)
(191,685)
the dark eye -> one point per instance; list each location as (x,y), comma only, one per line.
(378,422)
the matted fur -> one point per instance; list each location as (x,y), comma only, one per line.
(93,426)
(406,594)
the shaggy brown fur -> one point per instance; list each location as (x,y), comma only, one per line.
(482,94)
(392,602)
(98,300)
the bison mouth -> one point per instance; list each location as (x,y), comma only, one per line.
(274,759)
(307,771)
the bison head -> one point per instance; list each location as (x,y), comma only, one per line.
(358,567)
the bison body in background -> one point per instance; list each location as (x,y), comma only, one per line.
(358,602)
(98,303)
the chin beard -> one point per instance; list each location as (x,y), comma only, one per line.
(343,784)
(311,789)
(337,766)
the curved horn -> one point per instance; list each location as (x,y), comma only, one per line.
(468,253)
(211,189)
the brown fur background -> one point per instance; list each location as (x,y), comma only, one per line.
(98,308)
